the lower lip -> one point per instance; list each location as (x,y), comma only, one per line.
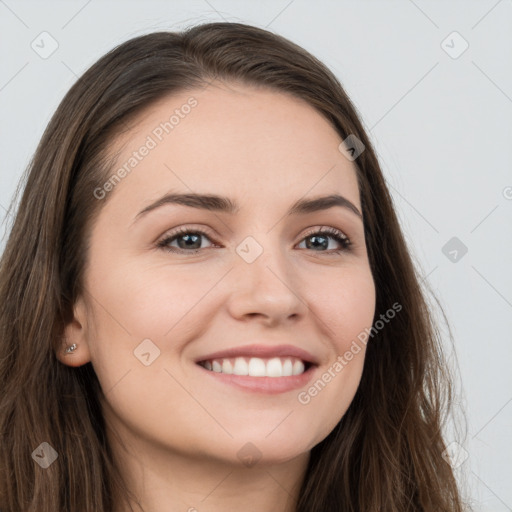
(268,385)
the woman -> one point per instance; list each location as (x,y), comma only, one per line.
(206,300)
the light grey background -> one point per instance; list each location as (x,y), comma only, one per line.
(442,127)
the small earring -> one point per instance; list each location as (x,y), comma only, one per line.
(71,348)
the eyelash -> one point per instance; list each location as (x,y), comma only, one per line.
(334,233)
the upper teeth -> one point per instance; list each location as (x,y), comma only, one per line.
(257,367)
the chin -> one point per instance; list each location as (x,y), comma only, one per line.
(275,448)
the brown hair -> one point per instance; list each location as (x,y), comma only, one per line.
(386,452)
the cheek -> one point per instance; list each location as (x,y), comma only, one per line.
(132,304)
(345,312)
(141,302)
(344,303)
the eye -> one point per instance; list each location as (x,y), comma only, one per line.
(319,238)
(188,240)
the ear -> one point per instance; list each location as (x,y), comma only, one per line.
(75,333)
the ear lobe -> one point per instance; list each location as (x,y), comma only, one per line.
(75,336)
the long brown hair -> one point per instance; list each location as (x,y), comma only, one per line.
(386,453)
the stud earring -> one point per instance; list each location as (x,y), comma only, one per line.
(71,348)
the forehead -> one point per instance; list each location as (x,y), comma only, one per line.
(259,143)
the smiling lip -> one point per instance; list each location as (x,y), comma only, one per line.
(262,351)
(267,385)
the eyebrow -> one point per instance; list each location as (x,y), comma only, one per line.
(225,205)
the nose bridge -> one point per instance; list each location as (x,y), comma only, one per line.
(260,252)
(264,281)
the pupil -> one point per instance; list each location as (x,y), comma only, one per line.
(189,245)
(315,239)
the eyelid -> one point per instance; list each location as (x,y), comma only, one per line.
(326,230)
(186,229)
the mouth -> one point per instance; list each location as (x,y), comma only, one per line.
(261,368)
(257,366)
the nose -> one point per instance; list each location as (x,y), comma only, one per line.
(266,289)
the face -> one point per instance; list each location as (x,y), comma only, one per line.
(180,294)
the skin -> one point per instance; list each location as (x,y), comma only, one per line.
(182,429)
